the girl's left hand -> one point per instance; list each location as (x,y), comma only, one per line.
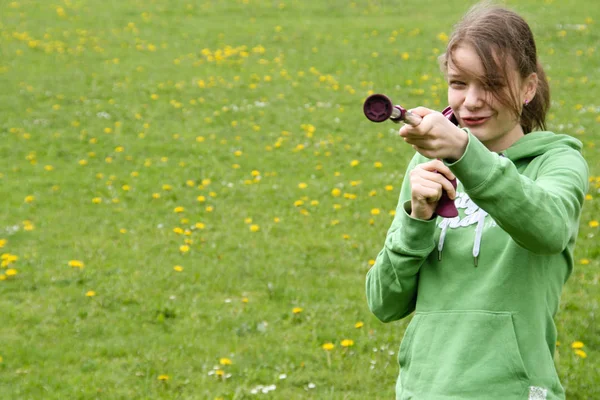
(436,136)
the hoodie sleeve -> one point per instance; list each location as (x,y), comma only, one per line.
(391,283)
(541,214)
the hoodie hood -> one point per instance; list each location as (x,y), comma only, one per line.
(536,143)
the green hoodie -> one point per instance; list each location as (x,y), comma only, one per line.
(485,285)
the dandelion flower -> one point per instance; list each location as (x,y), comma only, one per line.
(297,310)
(179,209)
(254,228)
(163,378)
(347,343)
(580,353)
(594,224)
(76,264)
(359,325)
(11,272)
(90,293)
(225,361)
(375,211)
(577,345)
(328,346)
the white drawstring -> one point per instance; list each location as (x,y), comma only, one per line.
(478,234)
(441,242)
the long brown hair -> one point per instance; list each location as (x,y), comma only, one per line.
(503,40)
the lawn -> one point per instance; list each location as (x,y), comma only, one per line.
(192,196)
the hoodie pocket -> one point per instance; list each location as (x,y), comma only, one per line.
(467,354)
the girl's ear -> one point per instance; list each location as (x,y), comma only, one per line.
(529,88)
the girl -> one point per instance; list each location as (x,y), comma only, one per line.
(485,285)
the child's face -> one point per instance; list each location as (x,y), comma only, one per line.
(474,106)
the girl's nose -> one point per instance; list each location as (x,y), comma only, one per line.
(474,97)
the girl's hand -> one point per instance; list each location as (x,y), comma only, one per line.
(426,186)
(436,136)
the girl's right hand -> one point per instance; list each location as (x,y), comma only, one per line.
(427,181)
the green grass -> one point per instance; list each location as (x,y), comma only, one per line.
(252,98)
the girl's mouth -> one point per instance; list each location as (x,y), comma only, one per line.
(475,121)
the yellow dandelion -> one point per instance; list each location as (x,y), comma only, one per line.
(328,346)
(347,343)
(254,228)
(179,209)
(276,220)
(2,243)
(389,188)
(90,293)
(209,209)
(97,200)
(577,345)
(371,262)
(2,277)
(178,268)
(123,230)
(302,185)
(156,195)
(297,310)
(248,220)
(184,248)
(220,373)
(584,261)
(359,325)
(200,225)
(580,353)
(375,211)
(378,164)
(29,199)
(11,272)
(163,378)
(336,192)
(354,163)
(225,361)
(76,264)
(594,224)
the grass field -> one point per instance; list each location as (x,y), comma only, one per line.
(191,195)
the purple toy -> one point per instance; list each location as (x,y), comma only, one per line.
(379,108)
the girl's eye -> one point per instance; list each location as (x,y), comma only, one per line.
(457,84)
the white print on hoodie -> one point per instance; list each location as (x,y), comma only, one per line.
(472,215)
